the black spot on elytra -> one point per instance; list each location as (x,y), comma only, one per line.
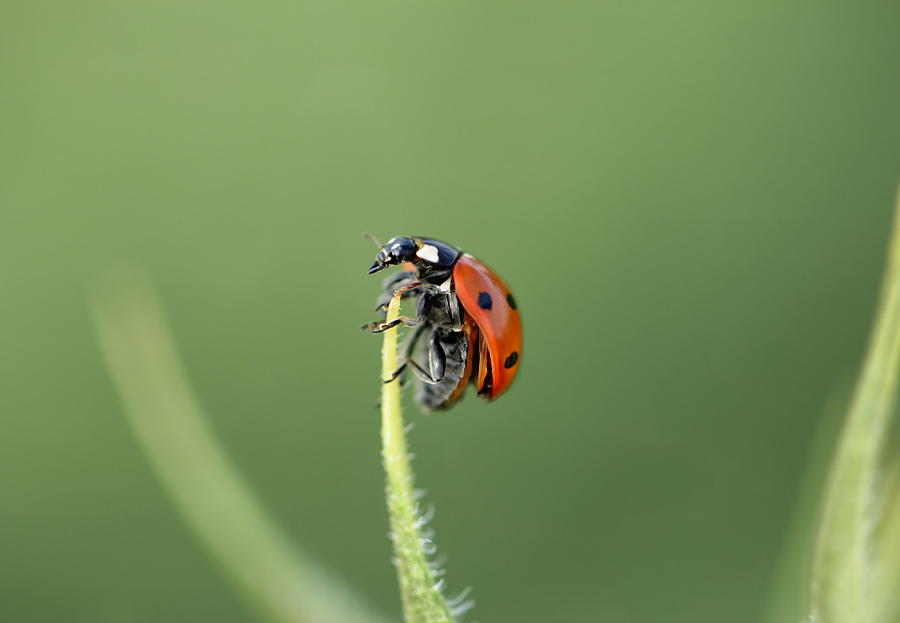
(485,301)
(511,360)
(511,301)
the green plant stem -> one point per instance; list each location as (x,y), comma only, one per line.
(841,588)
(283,583)
(421,597)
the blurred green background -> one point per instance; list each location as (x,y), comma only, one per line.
(690,200)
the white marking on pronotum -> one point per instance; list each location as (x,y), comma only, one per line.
(445,287)
(428,253)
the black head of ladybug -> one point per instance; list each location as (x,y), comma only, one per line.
(425,254)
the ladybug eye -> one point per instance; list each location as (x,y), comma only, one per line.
(401,249)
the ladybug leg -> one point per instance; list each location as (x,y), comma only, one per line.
(422,312)
(408,347)
(396,280)
(392,283)
(384,299)
(396,373)
(437,362)
(437,358)
(406,288)
(381,327)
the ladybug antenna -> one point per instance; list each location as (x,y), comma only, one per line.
(372,238)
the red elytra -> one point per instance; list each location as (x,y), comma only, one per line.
(498,321)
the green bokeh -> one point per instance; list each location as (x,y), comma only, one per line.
(690,200)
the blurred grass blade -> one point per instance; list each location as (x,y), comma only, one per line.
(887,552)
(169,424)
(842,567)
(421,596)
(789,596)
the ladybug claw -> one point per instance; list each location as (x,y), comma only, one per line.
(396,373)
(384,326)
(406,288)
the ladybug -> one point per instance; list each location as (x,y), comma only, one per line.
(465,313)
